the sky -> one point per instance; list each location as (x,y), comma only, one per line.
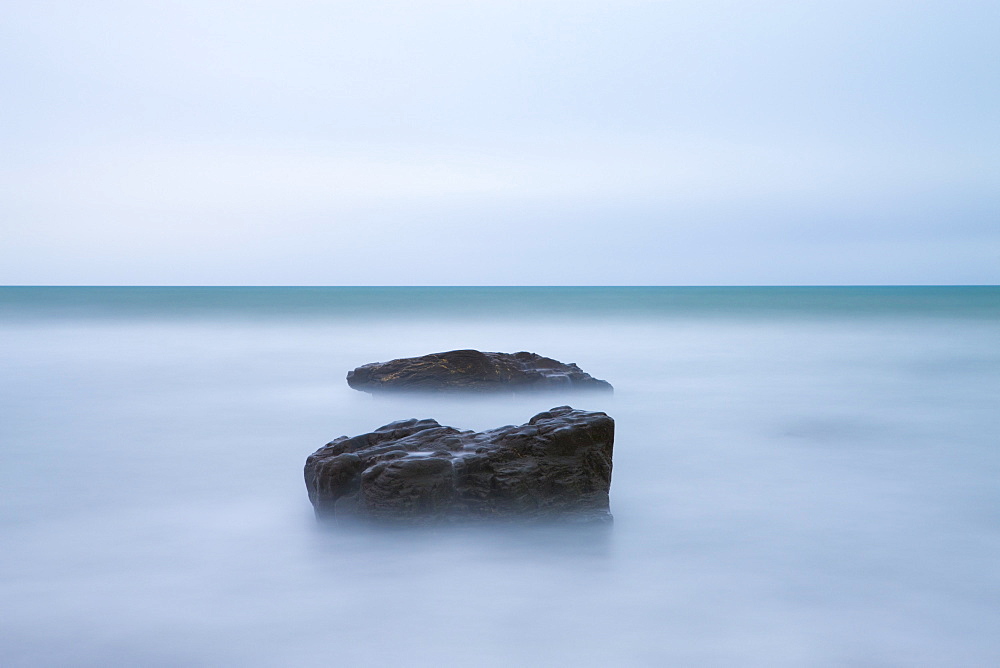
(499,142)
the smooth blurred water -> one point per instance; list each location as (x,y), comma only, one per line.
(803,477)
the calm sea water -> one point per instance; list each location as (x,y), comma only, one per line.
(803,477)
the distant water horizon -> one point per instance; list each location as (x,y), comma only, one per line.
(304,301)
(803,476)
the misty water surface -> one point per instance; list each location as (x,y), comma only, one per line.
(798,481)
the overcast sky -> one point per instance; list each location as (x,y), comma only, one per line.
(499,142)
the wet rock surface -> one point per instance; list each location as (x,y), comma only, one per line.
(473,371)
(556,466)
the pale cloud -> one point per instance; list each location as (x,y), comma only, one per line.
(238,178)
(661,142)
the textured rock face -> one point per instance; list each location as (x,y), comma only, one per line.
(473,371)
(558,465)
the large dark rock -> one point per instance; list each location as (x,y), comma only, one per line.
(558,465)
(473,371)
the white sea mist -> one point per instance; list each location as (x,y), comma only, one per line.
(801,478)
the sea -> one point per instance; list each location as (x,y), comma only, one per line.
(803,476)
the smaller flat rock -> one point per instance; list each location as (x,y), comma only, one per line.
(555,466)
(473,371)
